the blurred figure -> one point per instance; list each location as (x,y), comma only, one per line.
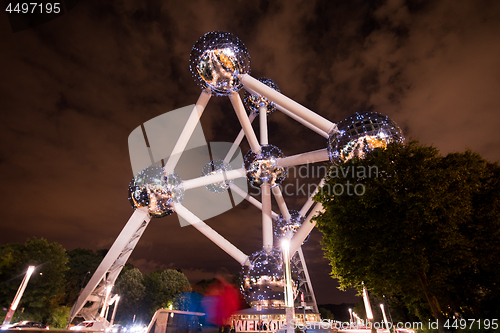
(221,300)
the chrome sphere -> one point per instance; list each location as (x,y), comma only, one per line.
(254,102)
(283,228)
(263,282)
(361,133)
(262,167)
(153,189)
(212,168)
(216,60)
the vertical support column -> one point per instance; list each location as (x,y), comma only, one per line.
(290,310)
(264,139)
(249,198)
(267,222)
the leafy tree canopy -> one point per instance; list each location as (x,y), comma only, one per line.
(421,226)
(162,286)
(82,263)
(45,289)
(130,287)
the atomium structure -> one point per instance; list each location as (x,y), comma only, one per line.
(220,63)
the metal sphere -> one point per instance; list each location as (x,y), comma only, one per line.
(216,60)
(262,167)
(263,282)
(361,133)
(283,228)
(153,189)
(212,168)
(253,102)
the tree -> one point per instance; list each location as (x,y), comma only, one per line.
(162,286)
(417,229)
(82,263)
(130,287)
(325,313)
(45,290)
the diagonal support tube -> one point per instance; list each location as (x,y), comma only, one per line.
(281,203)
(308,278)
(235,99)
(294,116)
(250,199)
(305,158)
(215,178)
(211,234)
(303,122)
(303,211)
(304,230)
(237,142)
(289,104)
(187,131)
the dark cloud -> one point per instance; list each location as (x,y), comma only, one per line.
(74,88)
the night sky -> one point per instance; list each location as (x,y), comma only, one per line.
(74,88)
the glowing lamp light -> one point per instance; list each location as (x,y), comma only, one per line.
(383,314)
(15,303)
(369,313)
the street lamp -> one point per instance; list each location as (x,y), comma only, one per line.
(385,318)
(104,309)
(117,299)
(18,296)
(369,313)
(285,247)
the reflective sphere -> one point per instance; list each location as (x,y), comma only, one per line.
(253,102)
(262,167)
(283,228)
(263,282)
(214,167)
(152,189)
(216,60)
(361,133)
